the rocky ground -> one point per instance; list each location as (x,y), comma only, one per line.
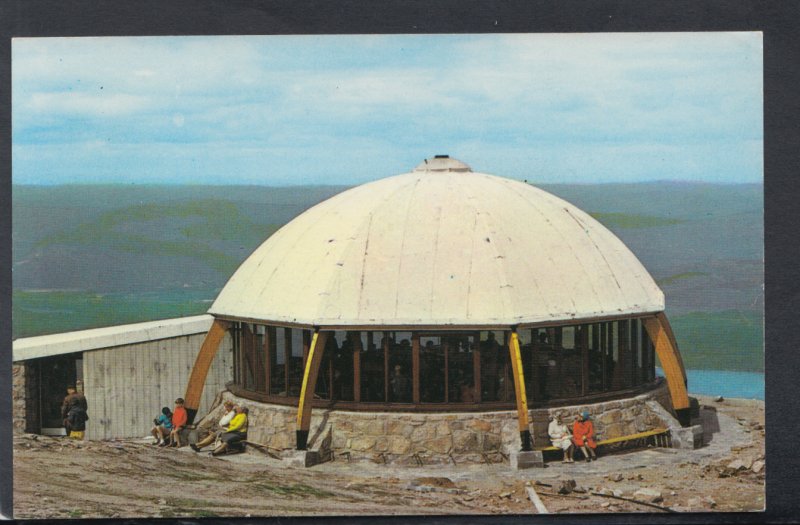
(58,478)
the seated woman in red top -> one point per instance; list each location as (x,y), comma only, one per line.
(583,436)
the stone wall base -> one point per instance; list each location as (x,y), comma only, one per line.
(416,438)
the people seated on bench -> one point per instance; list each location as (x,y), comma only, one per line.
(583,436)
(561,437)
(227,417)
(236,433)
(162,426)
(179,420)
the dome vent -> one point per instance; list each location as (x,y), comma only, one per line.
(442,163)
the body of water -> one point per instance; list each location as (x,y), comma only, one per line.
(725,383)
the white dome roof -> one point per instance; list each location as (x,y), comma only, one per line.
(439,246)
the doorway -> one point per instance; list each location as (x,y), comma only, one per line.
(55,373)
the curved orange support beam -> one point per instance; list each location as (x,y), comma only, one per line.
(202,363)
(519,391)
(307,390)
(662,318)
(670,359)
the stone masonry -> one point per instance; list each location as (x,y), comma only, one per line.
(395,437)
(24,409)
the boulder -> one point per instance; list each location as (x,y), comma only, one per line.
(566,486)
(758,466)
(616,477)
(649,494)
(737,465)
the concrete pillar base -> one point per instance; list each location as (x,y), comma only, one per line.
(687,437)
(526,459)
(304,458)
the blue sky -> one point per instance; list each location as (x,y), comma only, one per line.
(282,110)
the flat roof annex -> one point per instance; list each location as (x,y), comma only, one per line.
(107,337)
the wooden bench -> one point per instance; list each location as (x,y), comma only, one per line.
(656,432)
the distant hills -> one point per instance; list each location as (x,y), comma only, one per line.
(95,255)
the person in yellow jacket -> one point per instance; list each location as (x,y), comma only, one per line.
(236,433)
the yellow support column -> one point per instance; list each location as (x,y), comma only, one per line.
(307,390)
(669,356)
(519,391)
(202,363)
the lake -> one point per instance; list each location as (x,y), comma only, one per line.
(725,383)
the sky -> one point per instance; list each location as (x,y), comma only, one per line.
(285,110)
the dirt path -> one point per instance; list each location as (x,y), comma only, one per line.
(57,478)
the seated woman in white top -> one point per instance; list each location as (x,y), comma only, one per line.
(230,412)
(560,436)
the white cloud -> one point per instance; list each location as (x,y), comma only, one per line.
(96,105)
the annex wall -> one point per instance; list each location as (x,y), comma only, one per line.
(129,373)
(127,386)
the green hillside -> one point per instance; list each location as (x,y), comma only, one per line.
(52,312)
(727,340)
(183,229)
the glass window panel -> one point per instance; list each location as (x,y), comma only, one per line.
(343,366)
(526,338)
(542,367)
(431,370)
(259,359)
(461,368)
(610,353)
(372,367)
(569,362)
(400,380)
(295,364)
(494,367)
(622,366)
(595,359)
(235,330)
(297,343)
(568,337)
(277,356)
(636,352)
(280,346)
(249,357)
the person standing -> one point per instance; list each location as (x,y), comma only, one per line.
(74,413)
(583,436)
(399,384)
(179,420)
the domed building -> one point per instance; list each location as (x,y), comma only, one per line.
(462,307)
